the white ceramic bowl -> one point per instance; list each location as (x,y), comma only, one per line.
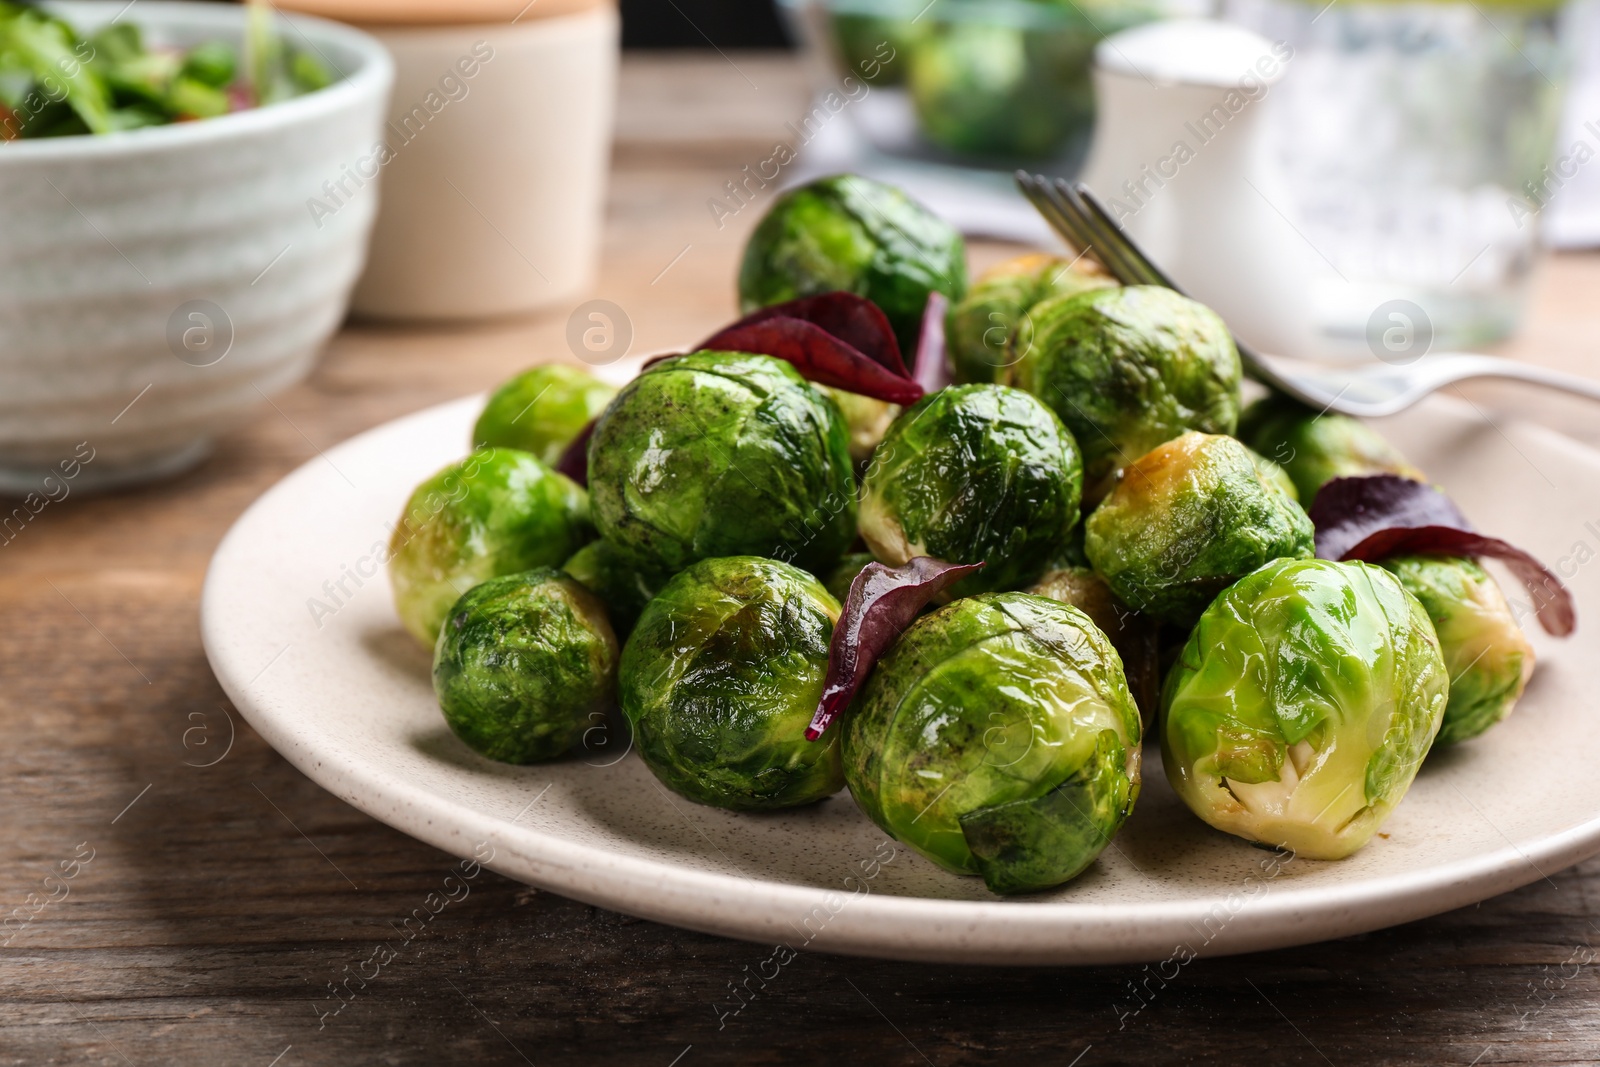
(179,269)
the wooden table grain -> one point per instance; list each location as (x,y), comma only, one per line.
(190,897)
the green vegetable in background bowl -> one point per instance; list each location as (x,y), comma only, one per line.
(998,738)
(1314,447)
(1303,704)
(524,664)
(541,410)
(1187,520)
(1127,369)
(497,512)
(54,82)
(720,679)
(1486,653)
(974,474)
(982,329)
(722,454)
(854,234)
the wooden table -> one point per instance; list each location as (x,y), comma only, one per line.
(221,900)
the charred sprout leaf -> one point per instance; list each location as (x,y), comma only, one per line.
(1381,515)
(523,664)
(1303,704)
(855,320)
(720,677)
(881,603)
(931,367)
(997,737)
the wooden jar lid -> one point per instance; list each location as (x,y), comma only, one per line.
(438,12)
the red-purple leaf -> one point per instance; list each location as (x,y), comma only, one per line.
(882,602)
(574,462)
(1381,515)
(855,320)
(929,367)
(819,357)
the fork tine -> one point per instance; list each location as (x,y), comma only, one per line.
(1132,265)
(1040,196)
(1155,274)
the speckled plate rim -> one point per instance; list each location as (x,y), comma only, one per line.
(1013,932)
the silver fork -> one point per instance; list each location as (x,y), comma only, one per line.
(1077,215)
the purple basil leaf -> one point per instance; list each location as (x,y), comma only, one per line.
(574,462)
(882,602)
(929,367)
(818,356)
(855,320)
(1381,515)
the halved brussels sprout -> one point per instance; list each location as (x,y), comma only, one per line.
(1187,520)
(852,233)
(838,581)
(499,511)
(1485,651)
(524,665)
(617,579)
(1314,447)
(973,474)
(1127,369)
(998,738)
(722,454)
(542,410)
(981,331)
(1303,704)
(865,418)
(721,678)
(1136,638)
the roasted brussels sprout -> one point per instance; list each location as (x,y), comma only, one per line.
(499,511)
(524,664)
(981,331)
(1016,92)
(541,410)
(1188,519)
(852,233)
(1314,447)
(973,474)
(865,418)
(838,581)
(1136,638)
(617,579)
(722,454)
(1303,704)
(1488,657)
(721,678)
(998,738)
(1127,369)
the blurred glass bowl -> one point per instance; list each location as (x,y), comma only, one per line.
(987,83)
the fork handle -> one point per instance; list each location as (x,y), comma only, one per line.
(1494,367)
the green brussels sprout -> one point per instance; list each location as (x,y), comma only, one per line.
(721,678)
(1271,472)
(981,330)
(524,665)
(838,581)
(1189,519)
(876,47)
(1128,369)
(542,410)
(1136,638)
(722,454)
(1302,705)
(998,738)
(852,233)
(866,419)
(614,577)
(1315,447)
(973,473)
(1485,651)
(499,511)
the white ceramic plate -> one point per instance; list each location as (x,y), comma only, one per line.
(345,695)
